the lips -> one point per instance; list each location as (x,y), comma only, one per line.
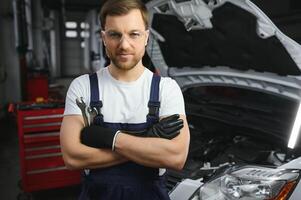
(124,55)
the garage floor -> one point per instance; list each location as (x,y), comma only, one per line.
(10,170)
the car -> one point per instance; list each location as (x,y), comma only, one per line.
(240,77)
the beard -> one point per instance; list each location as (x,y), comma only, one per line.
(128,65)
(124,64)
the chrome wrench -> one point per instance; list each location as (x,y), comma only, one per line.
(92,113)
(83,107)
(85,112)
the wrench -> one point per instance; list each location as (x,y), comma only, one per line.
(83,107)
(92,113)
(85,112)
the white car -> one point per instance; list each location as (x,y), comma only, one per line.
(240,77)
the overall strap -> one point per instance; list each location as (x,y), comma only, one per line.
(154,103)
(95,103)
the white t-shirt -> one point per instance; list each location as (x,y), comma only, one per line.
(126,102)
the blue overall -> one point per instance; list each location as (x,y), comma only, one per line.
(127,181)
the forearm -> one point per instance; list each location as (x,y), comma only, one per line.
(91,158)
(152,152)
(155,152)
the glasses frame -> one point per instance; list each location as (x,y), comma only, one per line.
(134,36)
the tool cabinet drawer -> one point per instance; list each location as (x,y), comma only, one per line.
(41,162)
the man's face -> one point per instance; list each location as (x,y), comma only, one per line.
(125,38)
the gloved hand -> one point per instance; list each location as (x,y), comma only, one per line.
(98,137)
(167,128)
(101,137)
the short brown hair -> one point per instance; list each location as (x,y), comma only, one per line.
(122,7)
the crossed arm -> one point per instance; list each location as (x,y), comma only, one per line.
(77,155)
(153,152)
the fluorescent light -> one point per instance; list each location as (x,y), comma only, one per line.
(71,34)
(84,25)
(84,34)
(70,25)
(82,44)
(296,129)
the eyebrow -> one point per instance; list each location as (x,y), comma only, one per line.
(113,30)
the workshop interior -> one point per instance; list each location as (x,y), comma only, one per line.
(238,63)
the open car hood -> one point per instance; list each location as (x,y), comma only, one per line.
(223,42)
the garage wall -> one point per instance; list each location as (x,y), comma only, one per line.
(72,51)
(2,70)
(9,65)
(37,25)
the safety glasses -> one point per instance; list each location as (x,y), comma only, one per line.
(135,36)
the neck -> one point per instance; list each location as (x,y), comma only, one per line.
(126,75)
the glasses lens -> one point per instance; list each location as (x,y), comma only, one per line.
(133,36)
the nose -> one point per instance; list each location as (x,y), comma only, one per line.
(124,42)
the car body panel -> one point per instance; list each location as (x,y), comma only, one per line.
(286,84)
(294,164)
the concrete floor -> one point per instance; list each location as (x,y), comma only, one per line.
(10,168)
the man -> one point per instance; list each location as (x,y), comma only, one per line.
(127,144)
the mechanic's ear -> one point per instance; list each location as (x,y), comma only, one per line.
(147,36)
(103,38)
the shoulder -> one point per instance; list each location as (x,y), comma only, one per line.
(83,81)
(79,87)
(172,101)
(167,82)
(169,88)
(80,82)
(164,81)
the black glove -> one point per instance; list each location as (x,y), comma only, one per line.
(97,136)
(167,128)
(100,137)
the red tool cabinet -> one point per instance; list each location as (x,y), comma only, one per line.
(42,166)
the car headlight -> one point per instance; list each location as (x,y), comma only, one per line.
(251,183)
